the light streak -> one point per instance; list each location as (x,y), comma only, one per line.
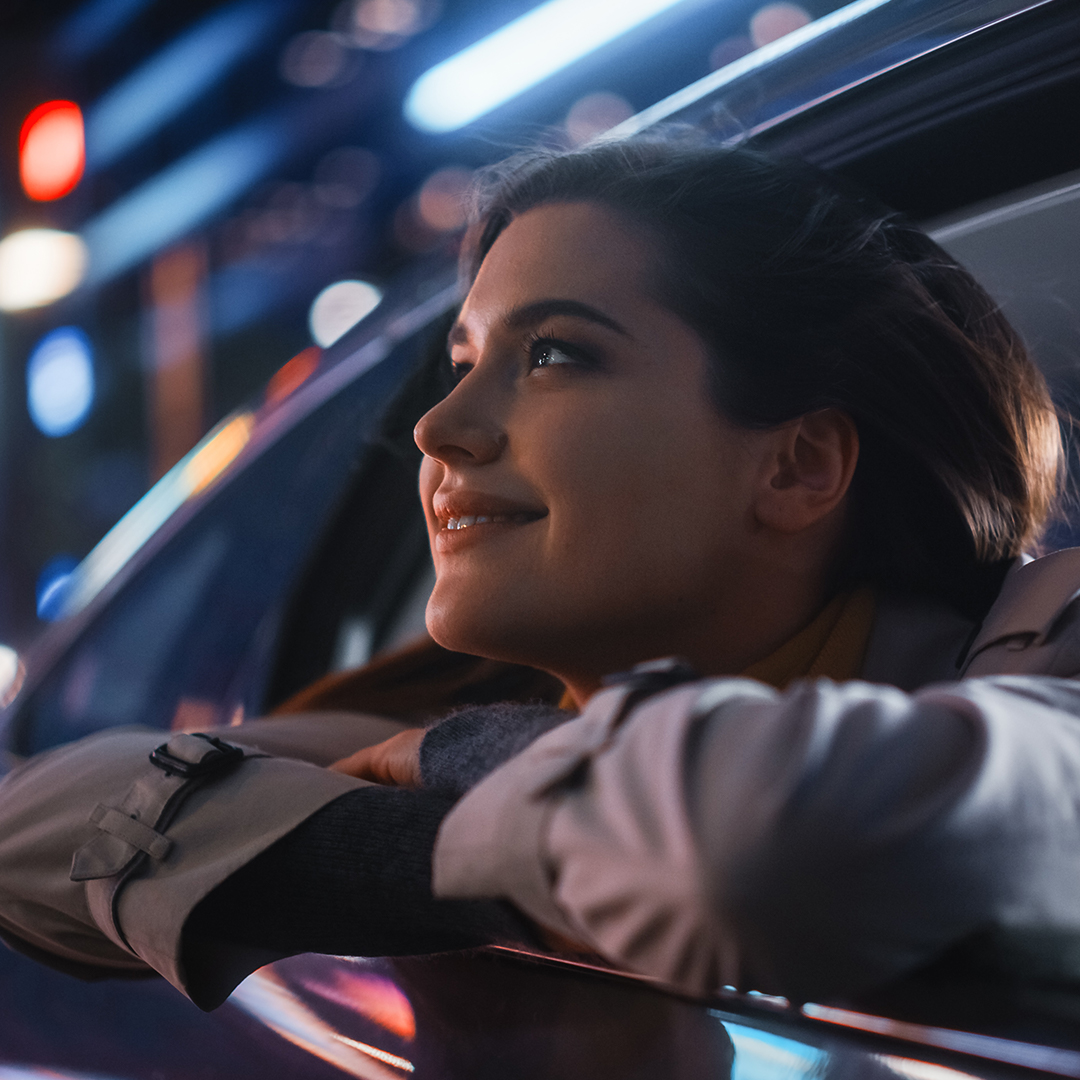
(518,56)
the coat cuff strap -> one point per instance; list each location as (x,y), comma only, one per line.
(134,831)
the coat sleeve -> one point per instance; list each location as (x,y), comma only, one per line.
(808,843)
(90,884)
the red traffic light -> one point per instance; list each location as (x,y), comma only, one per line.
(52,151)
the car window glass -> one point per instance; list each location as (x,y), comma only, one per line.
(112,675)
(189,639)
(1025,249)
(366,582)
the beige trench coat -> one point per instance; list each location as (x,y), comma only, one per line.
(807,842)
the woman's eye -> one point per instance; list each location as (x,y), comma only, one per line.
(552,354)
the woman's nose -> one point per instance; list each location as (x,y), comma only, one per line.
(462,428)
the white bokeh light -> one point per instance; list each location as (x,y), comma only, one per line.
(774,21)
(339,307)
(594,114)
(38,266)
(11,674)
(60,381)
(517,56)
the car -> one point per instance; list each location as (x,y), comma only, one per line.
(290,543)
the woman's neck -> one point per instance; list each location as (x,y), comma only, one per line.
(758,619)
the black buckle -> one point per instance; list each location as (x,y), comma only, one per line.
(220,755)
(653,676)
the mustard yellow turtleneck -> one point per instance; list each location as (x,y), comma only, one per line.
(832,646)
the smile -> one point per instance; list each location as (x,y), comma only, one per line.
(469,520)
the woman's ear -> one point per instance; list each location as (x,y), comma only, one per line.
(808,471)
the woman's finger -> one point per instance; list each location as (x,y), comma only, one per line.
(395,762)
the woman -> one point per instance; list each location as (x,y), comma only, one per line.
(705,405)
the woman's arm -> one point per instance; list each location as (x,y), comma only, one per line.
(111,864)
(103,853)
(809,843)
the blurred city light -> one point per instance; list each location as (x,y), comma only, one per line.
(293,374)
(180,197)
(316,58)
(12,673)
(518,56)
(52,151)
(594,114)
(914,1069)
(443,201)
(729,50)
(384,24)
(175,353)
(38,266)
(774,21)
(265,996)
(52,586)
(339,307)
(378,998)
(60,381)
(172,79)
(765,1056)
(193,474)
(215,453)
(731,68)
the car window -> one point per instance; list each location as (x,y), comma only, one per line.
(365,586)
(1025,249)
(189,640)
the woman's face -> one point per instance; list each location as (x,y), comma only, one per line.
(587,506)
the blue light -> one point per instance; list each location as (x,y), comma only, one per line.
(52,587)
(518,56)
(60,381)
(760,1055)
(172,79)
(180,197)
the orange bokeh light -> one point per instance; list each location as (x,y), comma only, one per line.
(292,374)
(52,150)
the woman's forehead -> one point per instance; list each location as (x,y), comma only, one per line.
(577,251)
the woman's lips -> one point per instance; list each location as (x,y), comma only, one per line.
(463,530)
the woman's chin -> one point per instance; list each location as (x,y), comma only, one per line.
(480,632)
(457,632)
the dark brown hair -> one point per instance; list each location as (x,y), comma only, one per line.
(811,295)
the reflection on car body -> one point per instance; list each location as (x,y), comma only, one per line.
(290,543)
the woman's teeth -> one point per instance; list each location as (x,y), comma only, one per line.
(483,519)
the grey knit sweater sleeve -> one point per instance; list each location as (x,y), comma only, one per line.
(355,877)
(460,750)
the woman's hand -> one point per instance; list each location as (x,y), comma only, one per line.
(395,762)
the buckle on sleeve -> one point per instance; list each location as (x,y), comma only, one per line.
(653,676)
(195,755)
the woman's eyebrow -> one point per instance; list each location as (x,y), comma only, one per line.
(536,312)
(530,314)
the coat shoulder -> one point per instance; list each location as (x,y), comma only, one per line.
(1034,625)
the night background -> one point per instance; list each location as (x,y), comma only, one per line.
(240,158)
